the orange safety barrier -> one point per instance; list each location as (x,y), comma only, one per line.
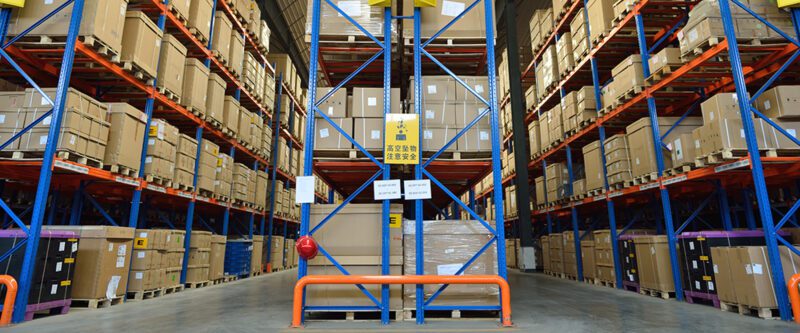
(11,297)
(794,296)
(299,288)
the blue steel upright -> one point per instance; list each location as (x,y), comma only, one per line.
(387,104)
(46,171)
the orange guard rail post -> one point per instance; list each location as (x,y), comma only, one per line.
(11,296)
(794,296)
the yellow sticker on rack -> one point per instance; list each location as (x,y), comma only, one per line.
(704,258)
(395,220)
(140,243)
(401,145)
(66,283)
(69,260)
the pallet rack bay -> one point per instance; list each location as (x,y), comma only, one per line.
(757,181)
(78,63)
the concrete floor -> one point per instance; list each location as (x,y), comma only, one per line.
(539,303)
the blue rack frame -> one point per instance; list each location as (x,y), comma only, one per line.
(420,171)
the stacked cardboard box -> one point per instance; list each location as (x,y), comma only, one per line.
(534,138)
(360,221)
(261,189)
(170,66)
(199,18)
(236,54)
(665,60)
(199,257)
(588,259)
(570,261)
(541,24)
(216,265)
(547,73)
(257,254)
(510,202)
(468,107)
(149,264)
(291,253)
(84,130)
(224,176)
(161,149)
(557,176)
(678,140)
(277,251)
(141,44)
(126,130)
(618,162)
(628,79)
(215,100)
(705,23)
(176,247)
(566,56)
(195,85)
(544,242)
(698,262)
(556,253)
(332,23)
(230,115)
(221,38)
(601,18)
(448,244)
(603,255)
(653,262)
(206,174)
(242,177)
(743,276)
(101,273)
(434,18)
(185,159)
(367,112)
(540,190)
(580,40)
(511,253)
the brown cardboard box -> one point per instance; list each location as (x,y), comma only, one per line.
(175,240)
(216,268)
(170,65)
(76,100)
(534,141)
(161,149)
(145,260)
(751,271)
(221,38)
(236,54)
(601,16)
(187,145)
(466,112)
(433,139)
(448,245)
(150,239)
(684,151)
(215,97)
(199,256)
(333,23)
(355,220)
(588,259)
(230,114)
(200,240)
(126,131)
(328,137)
(472,24)
(434,88)
(200,13)
(782,141)
(640,140)
(606,273)
(564,50)
(104,261)
(477,139)
(195,85)
(723,273)
(782,102)
(438,114)
(479,84)
(592,159)
(336,105)
(159,168)
(368,132)
(196,273)
(103,20)
(141,42)
(344,295)
(162,130)
(667,57)
(368,102)
(277,252)
(653,261)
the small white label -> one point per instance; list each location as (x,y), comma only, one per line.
(697,284)
(139,275)
(140,254)
(110,247)
(427,135)
(304,189)
(43,140)
(696,144)
(692,35)
(372,101)
(121,250)
(58,266)
(741,133)
(716,269)
(748,269)
(323,133)
(448,251)
(120,262)
(479,88)
(792,132)
(54,287)
(691,245)
(142,235)
(351,8)
(448,269)
(430,114)
(758,269)
(375,135)
(767,105)
(330,110)
(452,8)
(484,135)
(710,285)
(2,119)
(61,246)
(74,247)
(386,189)
(417,189)
(431,89)
(694,264)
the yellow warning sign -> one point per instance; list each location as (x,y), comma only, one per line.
(395,220)
(402,139)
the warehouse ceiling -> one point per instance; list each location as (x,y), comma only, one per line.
(287,21)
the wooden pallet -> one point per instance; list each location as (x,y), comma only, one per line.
(96,303)
(173,289)
(569,277)
(679,170)
(411,314)
(630,286)
(661,73)
(743,43)
(588,280)
(223,58)
(644,179)
(255,273)
(63,154)
(199,35)
(657,293)
(144,294)
(120,169)
(199,113)
(694,297)
(596,192)
(622,99)
(351,315)
(138,72)
(47,309)
(175,97)
(200,284)
(158,181)
(91,41)
(745,310)
(610,284)
(183,187)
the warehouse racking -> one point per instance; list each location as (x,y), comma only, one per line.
(449,176)
(686,194)
(92,70)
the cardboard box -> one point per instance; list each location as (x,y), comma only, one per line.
(438,114)
(159,168)
(434,139)
(221,38)
(684,151)
(336,105)
(434,88)
(141,42)
(653,260)
(277,252)
(103,20)
(346,295)
(593,161)
(368,132)
(195,85)
(601,17)
(448,245)
(368,102)
(199,18)
(354,220)
(328,137)
(230,114)
(640,141)
(667,57)
(170,65)
(477,139)
(466,112)
(479,84)
(782,102)
(723,273)
(215,97)
(471,25)
(101,270)
(126,131)
(196,273)
(145,260)
(588,259)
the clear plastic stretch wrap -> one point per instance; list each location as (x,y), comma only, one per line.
(333,23)
(448,245)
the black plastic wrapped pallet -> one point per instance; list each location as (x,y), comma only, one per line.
(627,254)
(55,262)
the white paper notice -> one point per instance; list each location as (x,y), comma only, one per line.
(305,190)
(61,246)
(452,8)
(375,135)
(111,288)
(372,101)
(758,269)
(120,262)
(58,266)
(386,189)
(53,289)
(417,189)
(323,133)
(351,8)
(448,269)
